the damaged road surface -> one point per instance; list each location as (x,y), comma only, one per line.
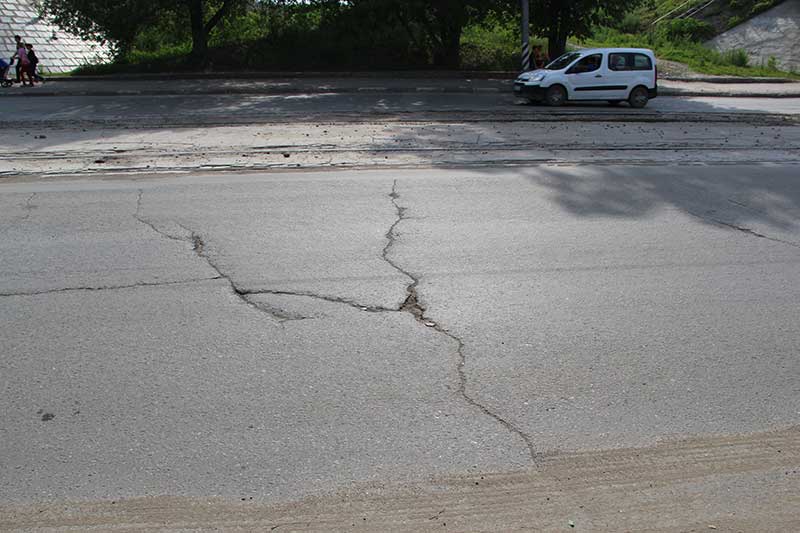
(523,348)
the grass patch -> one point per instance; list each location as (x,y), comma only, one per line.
(494,45)
(166,59)
(698,57)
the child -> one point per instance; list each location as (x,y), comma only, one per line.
(4,67)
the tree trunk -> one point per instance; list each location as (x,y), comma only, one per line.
(556,43)
(448,50)
(199,55)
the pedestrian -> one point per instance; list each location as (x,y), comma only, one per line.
(17,43)
(23,64)
(539,58)
(34,63)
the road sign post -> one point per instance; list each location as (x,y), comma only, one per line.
(526,38)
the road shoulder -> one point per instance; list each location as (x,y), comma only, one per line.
(727,483)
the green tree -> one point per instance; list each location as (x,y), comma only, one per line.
(102,20)
(433,24)
(560,19)
(204,16)
(118,22)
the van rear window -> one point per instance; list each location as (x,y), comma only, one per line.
(629,61)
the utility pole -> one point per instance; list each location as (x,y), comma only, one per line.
(526,37)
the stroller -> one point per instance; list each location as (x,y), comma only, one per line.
(5,66)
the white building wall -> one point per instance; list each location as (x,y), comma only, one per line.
(57,50)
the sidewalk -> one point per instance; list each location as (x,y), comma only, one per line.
(359,83)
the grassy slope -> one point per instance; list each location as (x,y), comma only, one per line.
(693,54)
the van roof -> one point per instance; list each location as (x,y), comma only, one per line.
(613,50)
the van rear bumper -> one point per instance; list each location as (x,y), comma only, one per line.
(652,93)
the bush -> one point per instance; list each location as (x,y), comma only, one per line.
(761,6)
(491,46)
(736,57)
(630,23)
(734,21)
(687,30)
(772,63)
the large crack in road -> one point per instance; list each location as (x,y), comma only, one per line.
(411,304)
(91,288)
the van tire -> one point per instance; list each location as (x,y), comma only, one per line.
(638,97)
(555,95)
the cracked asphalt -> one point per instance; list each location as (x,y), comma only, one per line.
(401,325)
(279,335)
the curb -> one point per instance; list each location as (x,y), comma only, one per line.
(267,91)
(662,91)
(259,92)
(400,74)
(726,79)
(268,75)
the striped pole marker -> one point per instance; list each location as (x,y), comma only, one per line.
(526,38)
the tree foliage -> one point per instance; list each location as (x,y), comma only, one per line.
(560,19)
(321,33)
(442,23)
(119,22)
(435,25)
(116,22)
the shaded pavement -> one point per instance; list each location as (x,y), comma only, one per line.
(354,84)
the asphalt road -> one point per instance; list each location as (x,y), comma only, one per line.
(253,337)
(243,108)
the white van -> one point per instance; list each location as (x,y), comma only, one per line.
(612,74)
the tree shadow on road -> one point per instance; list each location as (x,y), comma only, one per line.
(734,194)
(459,130)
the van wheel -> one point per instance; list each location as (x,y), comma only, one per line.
(555,96)
(638,97)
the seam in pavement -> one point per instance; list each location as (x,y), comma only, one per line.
(412,305)
(332,299)
(109,287)
(198,246)
(28,207)
(742,229)
(138,216)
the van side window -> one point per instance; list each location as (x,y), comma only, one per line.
(629,61)
(587,64)
(642,62)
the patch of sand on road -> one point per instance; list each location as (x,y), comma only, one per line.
(734,483)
